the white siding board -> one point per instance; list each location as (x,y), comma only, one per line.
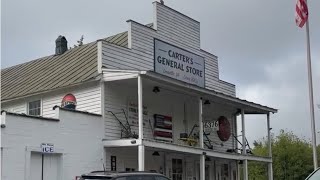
(225,88)
(88,99)
(140,35)
(124,62)
(186,20)
(123,59)
(185,34)
(166,18)
(127,53)
(126,58)
(165,37)
(142,31)
(17,107)
(169,14)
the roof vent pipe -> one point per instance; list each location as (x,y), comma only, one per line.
(61,45)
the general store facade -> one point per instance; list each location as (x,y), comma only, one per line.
(148,99)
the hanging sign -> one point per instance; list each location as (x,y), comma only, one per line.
(177,63)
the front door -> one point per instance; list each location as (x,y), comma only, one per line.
(177,169)
(45,166)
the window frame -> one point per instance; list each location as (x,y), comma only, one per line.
(40,107)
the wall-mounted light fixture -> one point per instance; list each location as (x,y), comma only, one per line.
(156,89)
(155,153)
(206,102)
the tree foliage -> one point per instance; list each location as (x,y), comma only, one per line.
(292,158)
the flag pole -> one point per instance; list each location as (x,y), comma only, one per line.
(313,131)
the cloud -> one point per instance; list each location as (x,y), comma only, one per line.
(285,88)
(260,49)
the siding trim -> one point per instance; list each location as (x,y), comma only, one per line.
(130,20)
(99,56)
(29,116)
(227,83)
(76,111)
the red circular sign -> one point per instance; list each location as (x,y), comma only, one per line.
(69,101)
(224,132)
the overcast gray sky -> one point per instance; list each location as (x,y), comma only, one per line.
(260,48)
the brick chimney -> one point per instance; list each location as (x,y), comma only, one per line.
(61,45)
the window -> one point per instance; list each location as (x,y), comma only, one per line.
(34,108)
(113,163)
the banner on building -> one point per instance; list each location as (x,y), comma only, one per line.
(162,127)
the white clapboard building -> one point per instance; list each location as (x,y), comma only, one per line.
(148,99)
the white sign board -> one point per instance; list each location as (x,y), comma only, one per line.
(47,148)
(133,114)
(177,63)
(211,126)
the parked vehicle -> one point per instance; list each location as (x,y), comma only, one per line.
(102,175)
(315,175)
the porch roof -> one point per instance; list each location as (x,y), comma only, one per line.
(247,106)
(182,149)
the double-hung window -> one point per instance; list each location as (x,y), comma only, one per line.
(34,108)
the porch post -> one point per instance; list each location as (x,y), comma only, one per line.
(202,156)
(202,166)
(141,152)
(244,142)
(270,170)
(200,124)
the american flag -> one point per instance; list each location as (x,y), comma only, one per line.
(301,12)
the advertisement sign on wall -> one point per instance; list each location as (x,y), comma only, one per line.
(134,116)
(47,148)
(177,63)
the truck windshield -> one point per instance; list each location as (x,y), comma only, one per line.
(142,177)
(94,178)
(315,175)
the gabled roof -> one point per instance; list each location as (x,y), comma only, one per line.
(75,66)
